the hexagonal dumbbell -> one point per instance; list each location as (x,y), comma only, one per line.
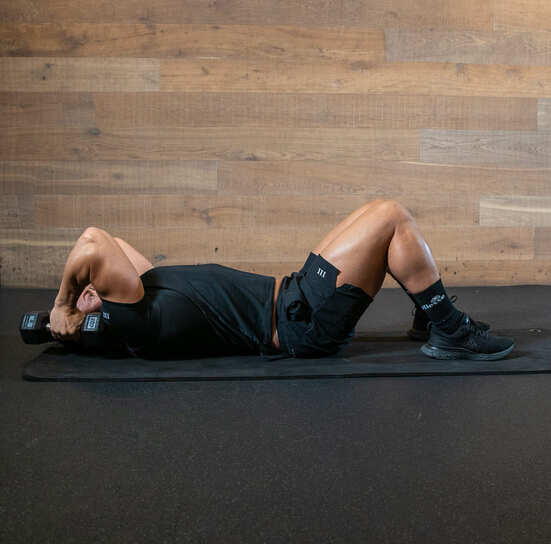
(35,329)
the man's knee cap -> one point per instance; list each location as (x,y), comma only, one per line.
(91,233)
(395,208)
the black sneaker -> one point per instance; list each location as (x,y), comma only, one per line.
(468,342)
(420,328)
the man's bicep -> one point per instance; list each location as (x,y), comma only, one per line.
(112,273)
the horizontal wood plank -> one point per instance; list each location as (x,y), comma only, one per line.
(44,74)
(297,110)
(222,211)
(495,148)
(542,246)
(379,179)
(468,47)
(31,143)
(16,211)
(517,15)
(206,143)
(467,14)
(22,109)
(494,272)
(360,76)
(288,43)
(544,114)
(518,210)
(93,178)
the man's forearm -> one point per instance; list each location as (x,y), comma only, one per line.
(76,275)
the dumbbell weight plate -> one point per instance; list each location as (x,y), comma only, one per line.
(34,328)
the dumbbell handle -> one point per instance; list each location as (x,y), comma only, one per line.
(35,328)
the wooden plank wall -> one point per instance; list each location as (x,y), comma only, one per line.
(240,132)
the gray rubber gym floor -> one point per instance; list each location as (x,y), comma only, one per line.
(377,459)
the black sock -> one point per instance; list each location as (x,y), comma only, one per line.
(435,303)
(417,305)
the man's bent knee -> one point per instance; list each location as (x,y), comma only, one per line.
(94,234)
(394,209)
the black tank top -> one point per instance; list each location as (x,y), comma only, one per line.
(175,319)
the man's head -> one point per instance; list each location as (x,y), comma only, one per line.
(89,300)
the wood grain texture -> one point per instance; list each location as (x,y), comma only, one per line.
(200,143)
(31,143)
(468,46)
(507,149)
(542,247)
(251,211)
(380,179)
(429,78)
(544,114)
(23,109)
(301,110)
(108,177)
(90,74)
(287,43)
(467,14)
(519,210)
(16,211)
(242,131)
(519,15)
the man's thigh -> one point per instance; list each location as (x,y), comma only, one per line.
(343,225)
(359,248)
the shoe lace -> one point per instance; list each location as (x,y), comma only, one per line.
(476,329)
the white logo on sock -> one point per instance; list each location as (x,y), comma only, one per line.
(321,272)
(433,302)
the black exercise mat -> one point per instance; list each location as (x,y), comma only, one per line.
(367,355)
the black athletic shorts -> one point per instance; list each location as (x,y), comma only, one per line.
(314,317)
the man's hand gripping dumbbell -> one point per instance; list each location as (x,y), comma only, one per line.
(74,327)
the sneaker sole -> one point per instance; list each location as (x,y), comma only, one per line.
(442,353)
